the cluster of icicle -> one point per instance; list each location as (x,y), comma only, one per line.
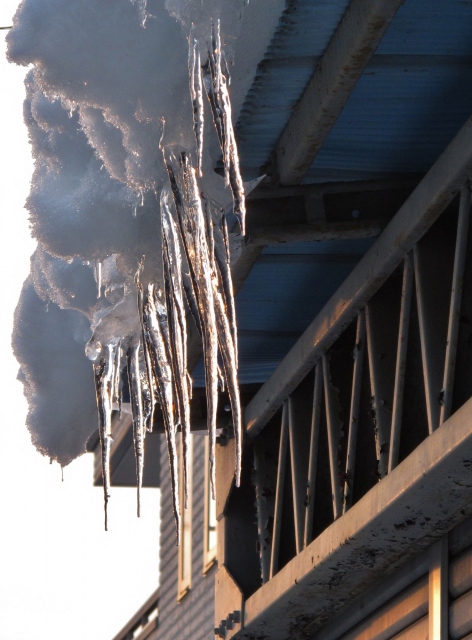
(197,284)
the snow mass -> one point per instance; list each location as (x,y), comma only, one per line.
(128,110)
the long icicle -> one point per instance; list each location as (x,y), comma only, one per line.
(196,93)
(193,234)
(117,378)
(104,377)
(223,263)
(145,340)
(178,327)
(134,381)
(196,237)
(216,80)
(162,369)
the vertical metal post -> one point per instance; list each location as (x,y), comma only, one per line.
(381,383)
(424,322)
(279,492)
(455,307)
(263,510)
(298,478)
(313,461)
(333,441)
(401,363)
(354,411)
(438,591)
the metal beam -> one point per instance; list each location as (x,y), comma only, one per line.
(414,218)
(316,232)
(267,190)
(421,500)
(336,75)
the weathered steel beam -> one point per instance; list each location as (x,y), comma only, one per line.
(336,75)
(414,218)
(421,500)
(267,190)
(316,232)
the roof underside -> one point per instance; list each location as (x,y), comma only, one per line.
(412,98)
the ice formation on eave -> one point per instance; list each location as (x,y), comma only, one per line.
(130,219)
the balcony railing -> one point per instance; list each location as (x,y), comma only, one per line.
(381,368)
(144,622)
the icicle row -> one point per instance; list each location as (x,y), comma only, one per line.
(201,276)
(193,232)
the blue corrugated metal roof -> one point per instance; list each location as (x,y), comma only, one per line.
(304,32)
(413,97)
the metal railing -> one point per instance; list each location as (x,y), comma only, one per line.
(144,622)
(362,408)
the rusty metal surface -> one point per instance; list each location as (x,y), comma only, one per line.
(337,72)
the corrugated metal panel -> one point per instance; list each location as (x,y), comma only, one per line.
(399,118)
(412,99)
(305,30)
(422,27)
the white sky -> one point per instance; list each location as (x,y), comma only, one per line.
(61,576)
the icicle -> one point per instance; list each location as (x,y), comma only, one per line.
(178,326)
(104,376)
(219,246)
(142,11)
(209,232)
(98,277)
(146,343)
(145,392)
(134,381)
(193,232)
(216,80)
(117,378)
(196,93)
(155,320)
(191,298)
